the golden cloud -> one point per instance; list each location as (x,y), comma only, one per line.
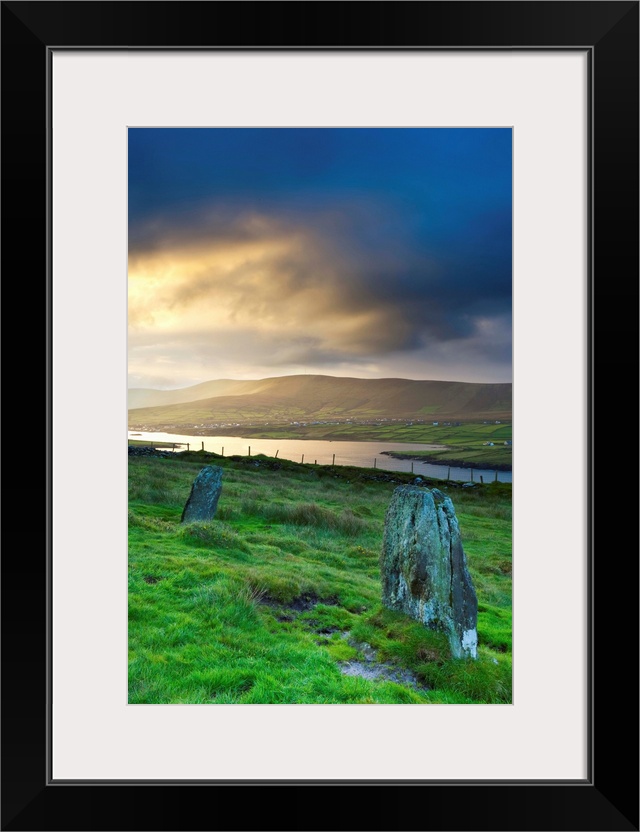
(276,283)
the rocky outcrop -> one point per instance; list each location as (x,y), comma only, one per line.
(149,450)
(424,568)
(205,493)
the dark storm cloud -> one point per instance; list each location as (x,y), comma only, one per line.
(389,242)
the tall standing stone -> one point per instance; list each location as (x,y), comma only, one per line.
(205,493)
(424,569)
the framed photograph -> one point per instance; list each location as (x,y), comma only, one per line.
(326,197)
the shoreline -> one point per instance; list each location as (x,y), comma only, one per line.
(452,462)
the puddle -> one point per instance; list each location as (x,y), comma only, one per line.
(372,669)
(380,670)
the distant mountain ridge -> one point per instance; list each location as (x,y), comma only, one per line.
(146,397)
(318,397)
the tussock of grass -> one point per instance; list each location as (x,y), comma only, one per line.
(279,587)
(228,513)
(227,605)
(152,524)
(495,627)
(341,651)
(487,510)
(481,681)
(212,535)
(305,514)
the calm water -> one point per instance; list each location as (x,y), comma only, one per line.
(362,454)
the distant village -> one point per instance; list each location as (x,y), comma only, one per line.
(205,428)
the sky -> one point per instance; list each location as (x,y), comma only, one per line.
(366,252)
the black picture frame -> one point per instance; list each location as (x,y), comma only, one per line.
(608,798)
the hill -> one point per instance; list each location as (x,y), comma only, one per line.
(144,397)
(311,398)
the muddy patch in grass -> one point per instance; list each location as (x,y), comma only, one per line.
(307,601)
(323,631)
(370,668)
(296,610)
(303,603)
(366,665)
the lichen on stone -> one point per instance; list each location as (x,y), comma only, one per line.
(424,568)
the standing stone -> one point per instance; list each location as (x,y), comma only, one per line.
(424,569)
(205,493)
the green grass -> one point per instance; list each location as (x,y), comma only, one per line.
(253,607)
(467,433)
(148,443)
(466,444)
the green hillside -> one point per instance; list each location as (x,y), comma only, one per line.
(317,398)
(143,397)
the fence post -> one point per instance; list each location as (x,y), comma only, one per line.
(203,446)
(471,480)
(277,452)
(187,446)
(249,450)
(302,462)
(496,479)
(448,473)
(173,447)
(375,462)
(334,460)
(481,479)
(412,467)
(223,450)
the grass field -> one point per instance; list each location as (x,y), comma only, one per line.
(272,600)
(144,443)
